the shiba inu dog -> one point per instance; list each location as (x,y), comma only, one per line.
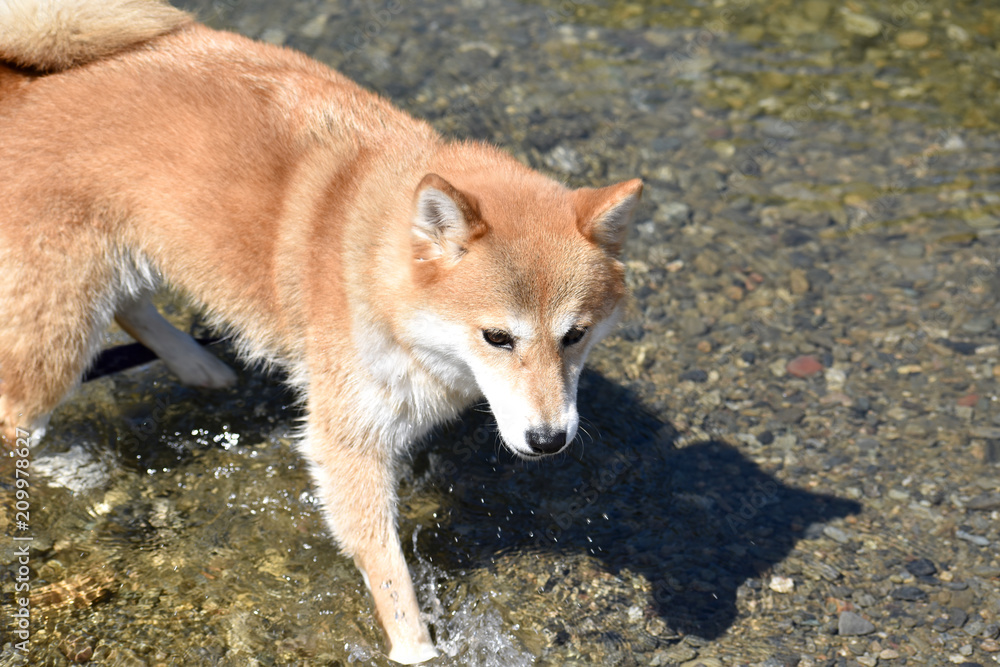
(398,276)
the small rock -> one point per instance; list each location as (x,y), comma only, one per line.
(778,367)
(780,584)
(899,494)
(978,325)
(967,401)
(850,624)
(799,281)
(702,662)
(978,540)
(275,36)
(694,375)
(315,28)
(693,326)
(921,567)
(565,159)
(681,653)
(792,415)
(676,212)
(861,24)
(707,263)
(974,627)
(867,444)
(957,33)
(911,249)
(835,379)
(912,39)
(816,10)
(909,594)
(984,502)
(984,222)
(804,366)
(733,292)
(793,238)
(956,618)
(888,654)
(836,534)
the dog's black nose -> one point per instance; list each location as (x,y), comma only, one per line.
(545,441)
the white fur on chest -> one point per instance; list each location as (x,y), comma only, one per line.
(415,384)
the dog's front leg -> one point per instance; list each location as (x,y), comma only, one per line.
(357,485)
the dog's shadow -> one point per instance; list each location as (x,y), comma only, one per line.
(697,521)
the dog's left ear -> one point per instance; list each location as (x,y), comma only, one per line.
(445,220)
(603,214)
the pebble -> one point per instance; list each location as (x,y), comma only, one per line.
(984,222)
(836,534)
(912,39)
(984,502)
(275,36)
(835,379)
(799,281)
(694,375)
(693,326)
(707,263)
(804,366)
(675,212)
(850,624)
(974,627)
(921,567)
(957,33)
(702,662)
(979,324)
(909,594)
(780,584)
(978,540)
(861,24)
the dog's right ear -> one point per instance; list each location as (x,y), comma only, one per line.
(603,214)
(445,221)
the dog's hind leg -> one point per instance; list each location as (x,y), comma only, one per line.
(56,296)
(185,358)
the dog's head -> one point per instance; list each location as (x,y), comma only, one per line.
(517,278)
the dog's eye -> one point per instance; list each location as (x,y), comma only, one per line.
(498,338)
(574,336)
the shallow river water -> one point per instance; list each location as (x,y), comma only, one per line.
(821,181)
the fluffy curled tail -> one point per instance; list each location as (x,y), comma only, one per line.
(58,34)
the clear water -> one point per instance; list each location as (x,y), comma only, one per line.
(175,526)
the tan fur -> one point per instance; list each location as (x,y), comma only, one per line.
(57,34)
(330,231)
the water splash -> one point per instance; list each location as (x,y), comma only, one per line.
(470,628)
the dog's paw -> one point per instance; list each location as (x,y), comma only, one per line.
(202,370)
(413,655)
